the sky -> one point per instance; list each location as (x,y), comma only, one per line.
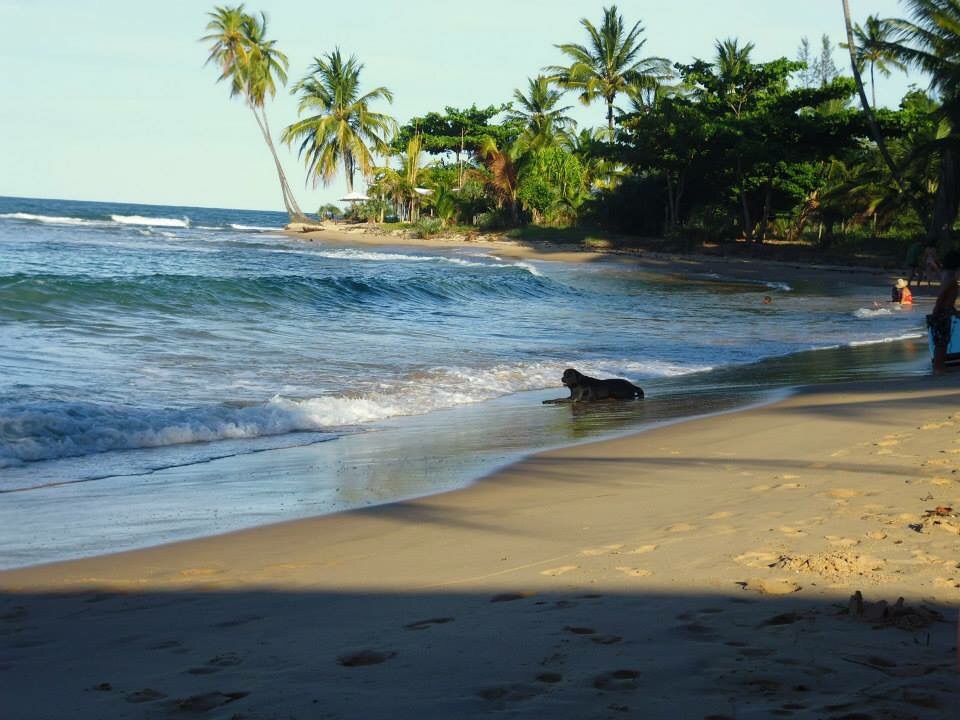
(110,100)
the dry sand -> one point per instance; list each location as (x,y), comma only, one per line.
(702,570)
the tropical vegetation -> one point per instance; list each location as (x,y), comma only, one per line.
(715,149)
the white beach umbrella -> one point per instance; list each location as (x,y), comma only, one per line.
(354,196)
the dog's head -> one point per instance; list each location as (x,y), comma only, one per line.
(571,378)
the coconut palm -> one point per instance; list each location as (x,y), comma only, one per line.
(503,172)
(343,130)
(400,184)
(544,122)
(868,40)
(253,65)
(609,64)
(930,42)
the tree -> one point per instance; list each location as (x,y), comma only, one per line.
(544,122)
(459,131)
(253,65)
(343,131)
(929,42)
(400,184)
(868,41)
(503,167)
(609,65)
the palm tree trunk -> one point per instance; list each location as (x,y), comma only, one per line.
(610,118)
(871,120)
(947,200)
(289,203)
(873,87)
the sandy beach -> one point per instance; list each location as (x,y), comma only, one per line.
(699,570)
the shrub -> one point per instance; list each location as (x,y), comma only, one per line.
(427,227)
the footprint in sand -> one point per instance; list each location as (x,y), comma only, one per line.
(549,677)
(719,515)
(617,680)
(877,535)
(363,658)
(580,630)
(208,701)
(643,550)
(946,583)
(424,624)
(557,571)
(634,572)
(792,531)
(145,695)
(778,586)
(680,527)
(605,550)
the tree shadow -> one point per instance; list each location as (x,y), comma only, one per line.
(518,651)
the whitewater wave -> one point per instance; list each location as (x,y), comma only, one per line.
(867,313)
(252,228)
(151,221)
(54,219)
(880,341)
(92,222)
(31,432)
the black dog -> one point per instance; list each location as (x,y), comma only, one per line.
(584,388)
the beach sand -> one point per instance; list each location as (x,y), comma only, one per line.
(699,570)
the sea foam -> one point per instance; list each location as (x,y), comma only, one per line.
(45,431)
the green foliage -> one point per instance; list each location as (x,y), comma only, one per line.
(427,227)
(456,130)
(340,129)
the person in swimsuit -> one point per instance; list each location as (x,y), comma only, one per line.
(940,321)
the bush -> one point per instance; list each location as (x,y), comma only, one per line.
(427,227)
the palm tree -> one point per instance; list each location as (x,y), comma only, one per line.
(253,65)
(343,131)
(930,42)
(609,65)
(868,40)
(503,167)
(544,122)
(400,184)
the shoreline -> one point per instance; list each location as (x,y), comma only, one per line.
(721,543)
(743,268)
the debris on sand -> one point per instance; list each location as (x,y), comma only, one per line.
(834,565)
(897,615)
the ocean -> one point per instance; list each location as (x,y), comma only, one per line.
(169,372)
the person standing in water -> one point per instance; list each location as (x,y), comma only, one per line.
(901,293)
(940,321)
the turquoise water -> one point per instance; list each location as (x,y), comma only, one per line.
(135,339)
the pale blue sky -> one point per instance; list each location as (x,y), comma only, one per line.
(109,99)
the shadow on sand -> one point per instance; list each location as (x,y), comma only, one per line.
(438,654)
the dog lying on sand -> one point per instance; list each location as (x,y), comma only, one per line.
(584,388)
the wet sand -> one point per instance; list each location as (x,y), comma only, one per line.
(703,569)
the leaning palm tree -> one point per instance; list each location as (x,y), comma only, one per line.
(342,131)
(253,65)
(868,40)
(609,64)
(929,41)
(544,122)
